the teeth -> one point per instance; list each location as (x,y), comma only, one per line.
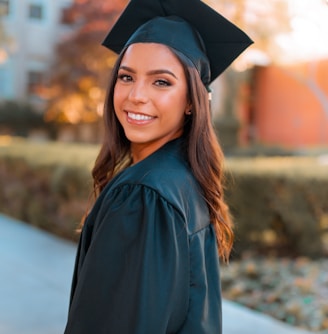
(139,117)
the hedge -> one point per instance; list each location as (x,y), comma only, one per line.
(279,204)
(46,184)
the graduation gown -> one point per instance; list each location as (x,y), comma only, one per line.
(147,260)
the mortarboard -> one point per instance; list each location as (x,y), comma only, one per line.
(191,27)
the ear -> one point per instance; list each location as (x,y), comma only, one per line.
(188,108)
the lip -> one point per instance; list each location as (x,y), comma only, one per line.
(139,118)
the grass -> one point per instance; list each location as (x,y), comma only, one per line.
(315,167)
(49,153)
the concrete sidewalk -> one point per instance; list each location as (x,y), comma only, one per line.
(36,270)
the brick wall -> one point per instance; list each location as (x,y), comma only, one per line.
(290,105)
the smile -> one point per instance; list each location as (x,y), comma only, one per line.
(139,117)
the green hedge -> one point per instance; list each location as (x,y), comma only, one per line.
(46,184)
(19,118)
(280,205)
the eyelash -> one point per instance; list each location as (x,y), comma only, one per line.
(162,82)
(159,82)
(124,77)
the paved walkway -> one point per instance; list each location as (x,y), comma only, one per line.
(35,275)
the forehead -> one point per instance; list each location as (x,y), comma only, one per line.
(151,54)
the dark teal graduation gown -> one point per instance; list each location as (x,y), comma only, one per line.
(147,260)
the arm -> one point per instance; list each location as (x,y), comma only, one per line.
(135,275)
(204,313)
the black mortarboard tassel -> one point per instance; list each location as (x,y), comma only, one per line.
(208,39)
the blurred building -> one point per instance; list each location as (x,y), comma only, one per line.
(31,29)
(289,106)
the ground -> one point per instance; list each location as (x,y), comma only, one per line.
(291,290)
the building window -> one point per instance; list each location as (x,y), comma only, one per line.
(35,80)
(4,7)
(35,12)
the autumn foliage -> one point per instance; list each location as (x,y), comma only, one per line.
(78,77)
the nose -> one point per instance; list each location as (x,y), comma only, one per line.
(138,92)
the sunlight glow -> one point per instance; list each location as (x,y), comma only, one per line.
(308,38)
(3,56)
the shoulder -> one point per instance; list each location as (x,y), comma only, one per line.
(163,170)
(167,174)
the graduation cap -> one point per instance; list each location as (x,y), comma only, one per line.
(191,27)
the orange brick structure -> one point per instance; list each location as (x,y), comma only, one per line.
(289,106)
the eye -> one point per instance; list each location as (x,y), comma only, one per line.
(124,77)
(162,83)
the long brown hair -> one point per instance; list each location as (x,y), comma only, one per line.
(203,150)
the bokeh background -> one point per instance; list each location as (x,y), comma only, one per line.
(270,111)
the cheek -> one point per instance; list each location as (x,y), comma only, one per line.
(176,100)
(181,104)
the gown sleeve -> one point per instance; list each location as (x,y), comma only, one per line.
(204,312)
(135,275)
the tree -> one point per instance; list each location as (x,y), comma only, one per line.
(78,77)
(7,45)
(263,21)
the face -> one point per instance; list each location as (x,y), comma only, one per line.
(150,97)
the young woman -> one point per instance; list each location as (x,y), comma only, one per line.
(148,257)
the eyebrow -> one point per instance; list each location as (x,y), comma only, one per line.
(152,72)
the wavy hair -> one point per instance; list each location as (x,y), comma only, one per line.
(203,151)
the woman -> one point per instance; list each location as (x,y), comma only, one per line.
(148,257)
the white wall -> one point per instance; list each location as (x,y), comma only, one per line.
(34,41)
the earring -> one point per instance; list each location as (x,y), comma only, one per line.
(188,112)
